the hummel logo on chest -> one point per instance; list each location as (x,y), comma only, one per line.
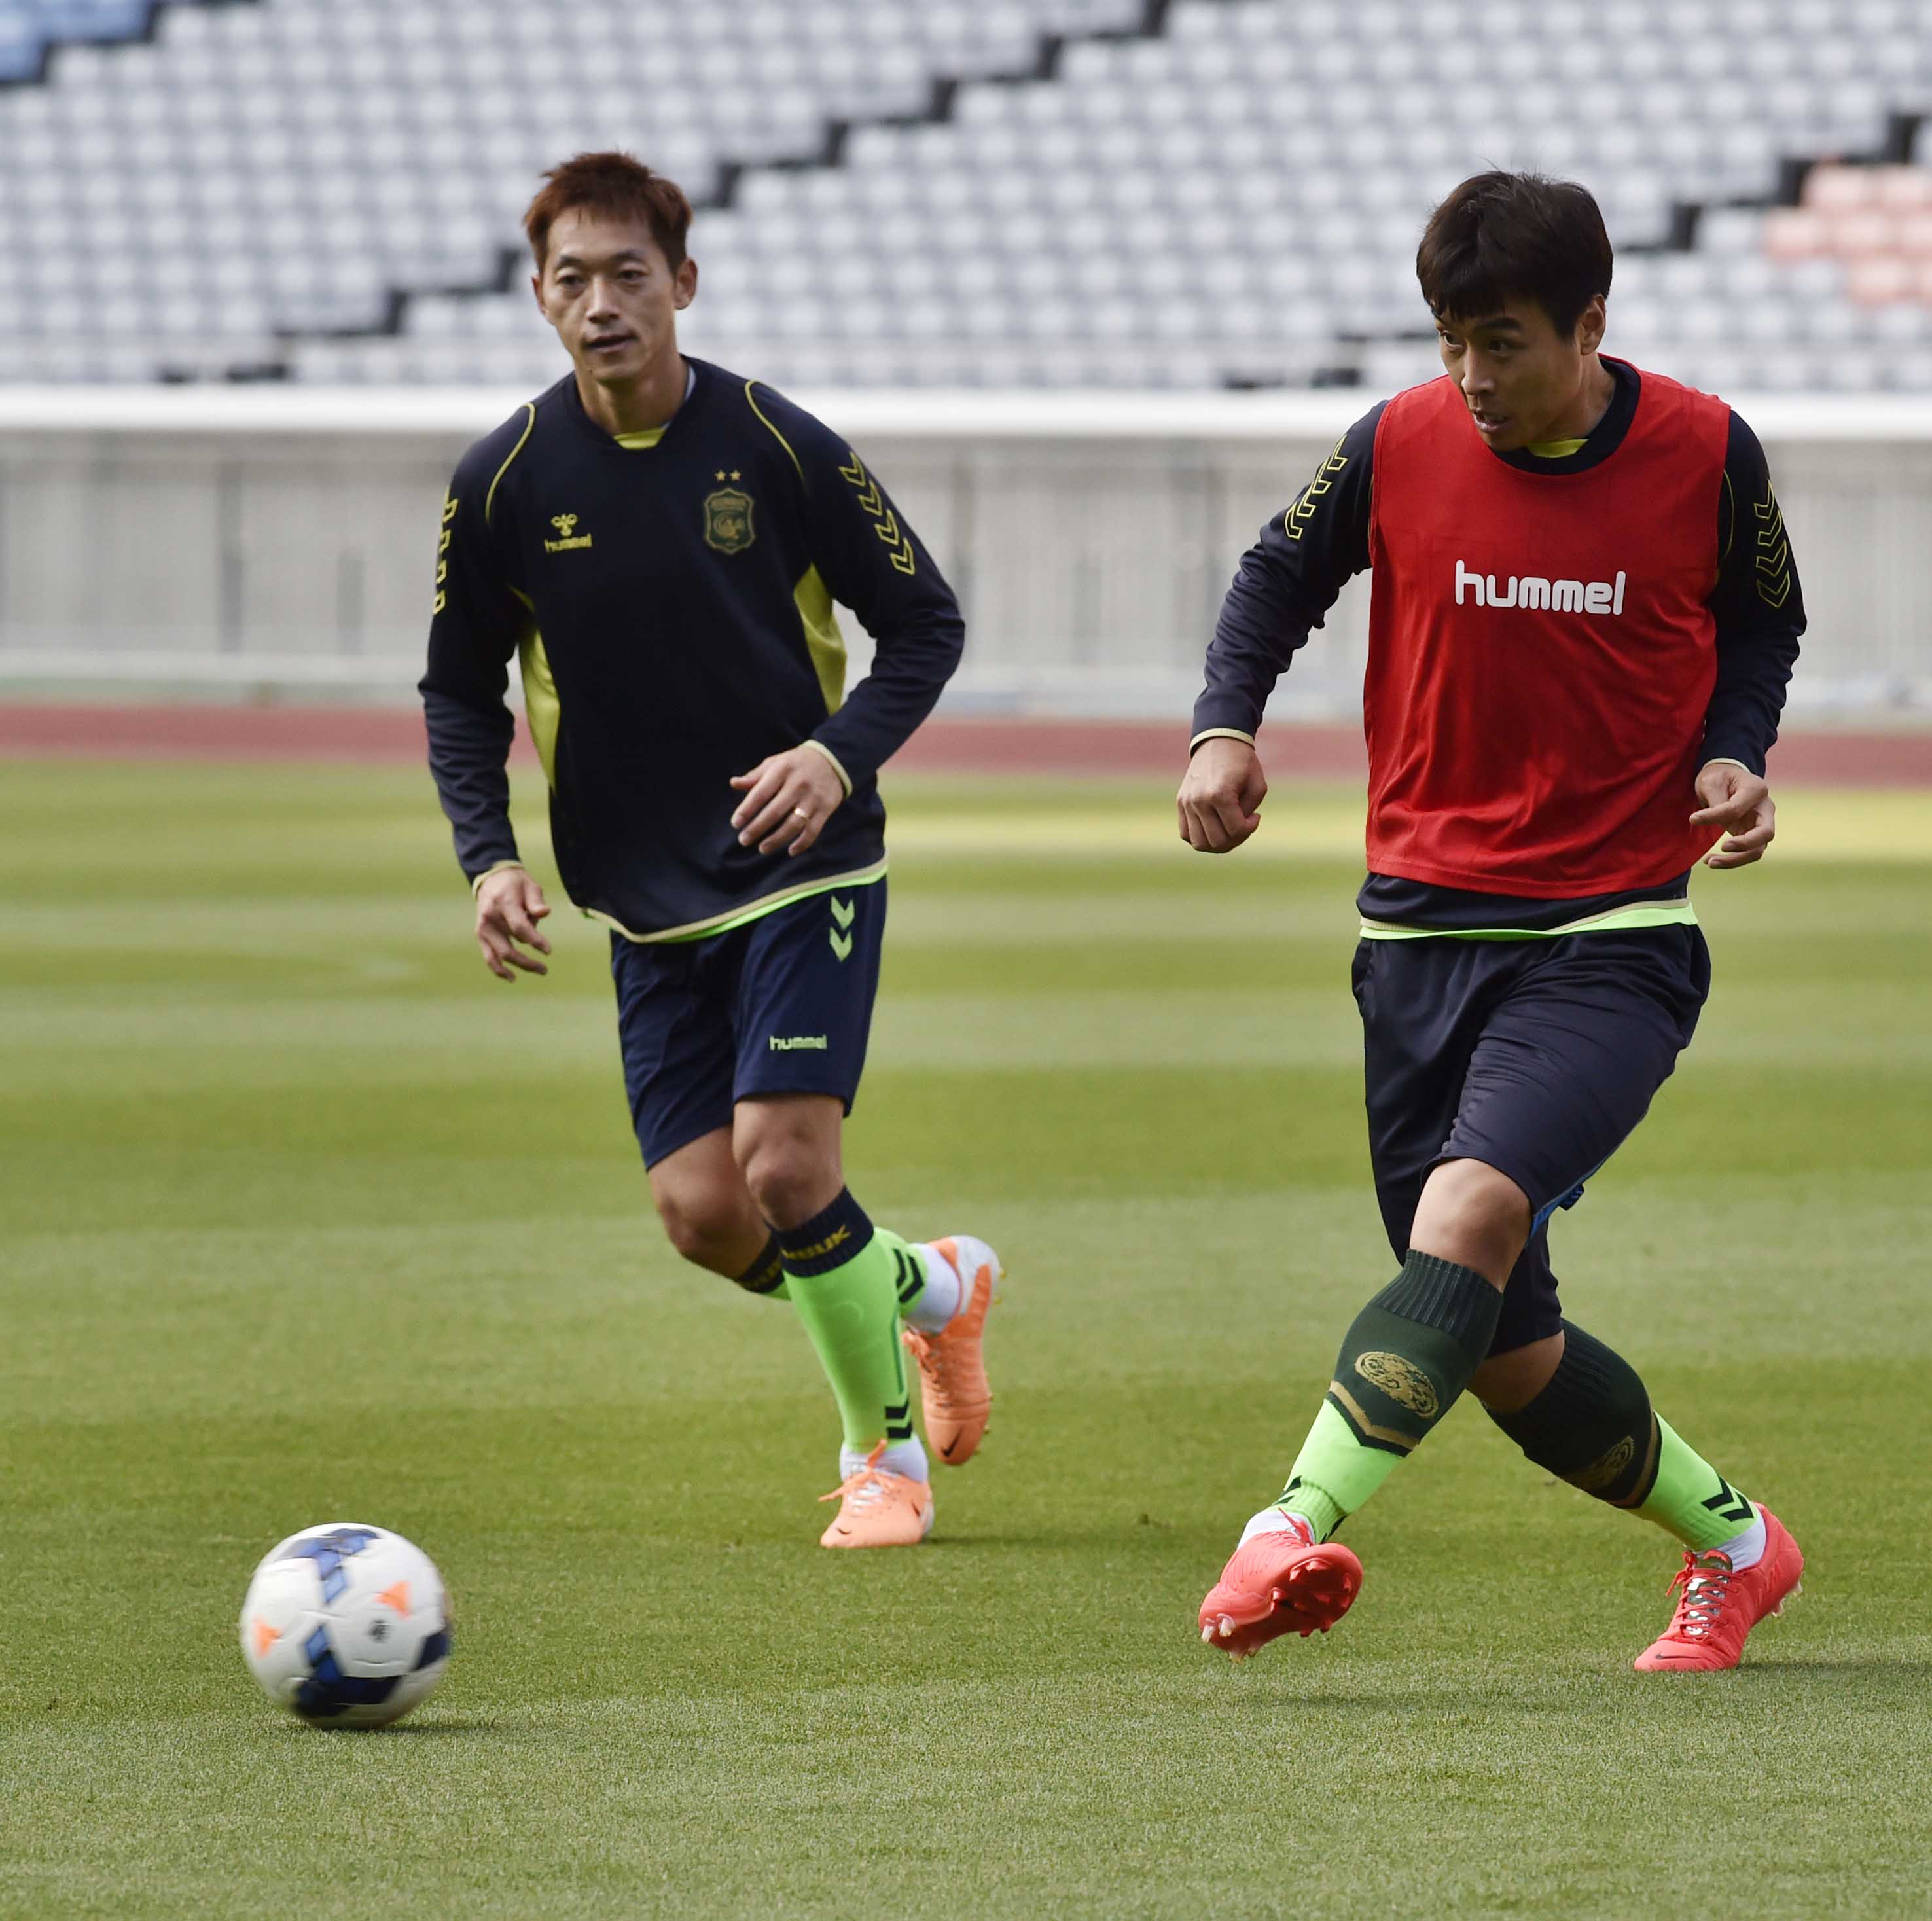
(1532,590)
(568,538)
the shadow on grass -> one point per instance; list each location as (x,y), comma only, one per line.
(1104,1535)
(1875,1665)
(406,1730)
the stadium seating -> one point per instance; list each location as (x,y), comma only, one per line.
(1877,220)
(278,168)
(27,27)
(323,186)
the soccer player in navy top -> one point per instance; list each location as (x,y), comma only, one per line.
(1583,617)
(660,544)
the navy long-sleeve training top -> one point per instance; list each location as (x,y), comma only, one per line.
(669,596)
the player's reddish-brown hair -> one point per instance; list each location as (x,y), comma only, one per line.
(617,185)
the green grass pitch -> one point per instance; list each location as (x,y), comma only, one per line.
(307,1218)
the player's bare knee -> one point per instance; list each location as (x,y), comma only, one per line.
(693,1236)
(788,1160)
(790,1179)
(698,1220)
(1474,1214)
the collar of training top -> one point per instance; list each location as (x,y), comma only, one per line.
(1602,440)
(701,378)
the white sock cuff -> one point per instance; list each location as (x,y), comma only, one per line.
(1746,1549)
(905,1457)
(944,1290)
(1273,1521)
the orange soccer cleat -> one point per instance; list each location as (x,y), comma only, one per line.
(1718,1608)
(952,1363)
(1281,1581)
(877,1508)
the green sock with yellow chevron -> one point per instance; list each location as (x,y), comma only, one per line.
(1409,1354)
(844,1277)
(1692,1500)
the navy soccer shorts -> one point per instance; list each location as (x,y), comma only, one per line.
(1537,1057)
(781,1005)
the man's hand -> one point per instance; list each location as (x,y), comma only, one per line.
(1739,802)
(509,904)
(788,798)
(1219,801)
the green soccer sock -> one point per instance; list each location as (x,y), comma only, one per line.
(1594,1427)
(1691,1499)
(1409,1354)
(909,1277)
(844,1277)
(765,1276)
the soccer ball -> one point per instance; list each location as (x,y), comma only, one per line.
(347,1625)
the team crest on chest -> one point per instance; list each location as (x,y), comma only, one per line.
(727,518)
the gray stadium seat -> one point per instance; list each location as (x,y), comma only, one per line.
(1227,196)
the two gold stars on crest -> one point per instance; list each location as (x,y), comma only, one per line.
(733,475)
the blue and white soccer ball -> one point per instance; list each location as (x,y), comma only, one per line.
(346,1625)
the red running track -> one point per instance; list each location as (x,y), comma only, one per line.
(1149,749)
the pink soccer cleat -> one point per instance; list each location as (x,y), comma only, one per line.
(1718,1608)
(1281,1581)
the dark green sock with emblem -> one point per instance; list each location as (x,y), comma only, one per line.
(1409,1353)
(1593,1426)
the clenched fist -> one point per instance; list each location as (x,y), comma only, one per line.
(1220,798)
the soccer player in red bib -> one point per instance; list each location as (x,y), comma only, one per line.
(1584,616)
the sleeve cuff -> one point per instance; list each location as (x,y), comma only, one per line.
(1730,761)
(837,766)
(1220,734)
(495,867)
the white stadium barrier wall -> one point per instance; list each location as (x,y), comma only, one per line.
(177,539)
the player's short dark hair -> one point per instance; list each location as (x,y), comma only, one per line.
(1522,236)
(618,185)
